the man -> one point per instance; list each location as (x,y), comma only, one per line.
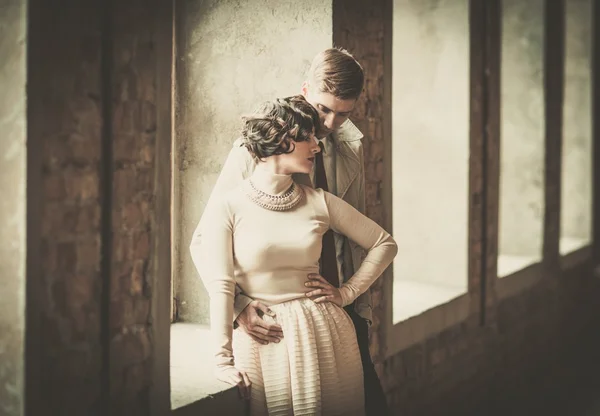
(334,84)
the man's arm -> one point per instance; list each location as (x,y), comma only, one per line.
(361,206)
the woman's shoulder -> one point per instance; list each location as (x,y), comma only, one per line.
(318,197)
(309,191)
(231,199)
(318,193)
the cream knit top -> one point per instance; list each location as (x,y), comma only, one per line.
(270,253)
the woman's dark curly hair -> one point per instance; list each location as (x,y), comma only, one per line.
(276,125)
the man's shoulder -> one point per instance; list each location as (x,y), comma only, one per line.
(237,143)
(348,133)
(241,155)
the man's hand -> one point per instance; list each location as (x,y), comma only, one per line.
(251,322)
(323,290)
(235,377)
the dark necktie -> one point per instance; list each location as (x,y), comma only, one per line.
(328,264)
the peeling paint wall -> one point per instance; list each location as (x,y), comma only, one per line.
(13,34)
(231,55)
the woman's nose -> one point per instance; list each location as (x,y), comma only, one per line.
(315,145)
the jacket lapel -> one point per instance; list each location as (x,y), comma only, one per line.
(347,167)
(347,160)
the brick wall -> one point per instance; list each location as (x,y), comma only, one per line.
(358,27)
(92,121)
(538,341)
(64,126)
(133,132)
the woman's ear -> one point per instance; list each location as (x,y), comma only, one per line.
(304,89)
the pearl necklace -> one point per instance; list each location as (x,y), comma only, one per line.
(284,202)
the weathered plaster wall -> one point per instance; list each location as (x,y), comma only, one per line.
(522,128)
(13,36)
(576,209)
(231,55)
(430,140)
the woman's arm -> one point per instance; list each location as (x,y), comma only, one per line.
(237,167)
(215,264)
(379,244)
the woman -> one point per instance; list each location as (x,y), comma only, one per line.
(265,235)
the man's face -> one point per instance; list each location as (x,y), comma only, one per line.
(332,111)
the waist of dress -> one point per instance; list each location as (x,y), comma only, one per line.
(276,286)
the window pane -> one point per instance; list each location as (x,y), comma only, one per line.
(576,204)
(522,149)
(430,129)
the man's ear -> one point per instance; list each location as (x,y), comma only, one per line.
(304,89)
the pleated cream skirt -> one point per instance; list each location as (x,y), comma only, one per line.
(314,370)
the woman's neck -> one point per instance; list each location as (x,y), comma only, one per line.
(272,165)
(268,179)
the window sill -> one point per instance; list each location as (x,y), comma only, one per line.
(530,271)
(569,244)
(194,389)
(574,252)
(519,281)
(418,328)
(511,264)
(412,298)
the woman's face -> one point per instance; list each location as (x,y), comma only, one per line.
(301,159)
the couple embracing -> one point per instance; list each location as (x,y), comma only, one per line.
(287,254)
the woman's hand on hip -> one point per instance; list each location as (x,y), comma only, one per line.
(322,290)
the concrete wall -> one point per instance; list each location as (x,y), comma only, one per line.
(522,128)
(231,55)
(430,143)
(13,42)
(576,208)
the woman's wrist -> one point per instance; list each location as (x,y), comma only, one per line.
(346,295)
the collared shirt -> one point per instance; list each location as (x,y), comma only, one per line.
(329,163)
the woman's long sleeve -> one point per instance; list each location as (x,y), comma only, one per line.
(379,244)
(216,271)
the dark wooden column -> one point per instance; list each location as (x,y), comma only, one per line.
(596,127)
(554,69)
(160,400)
(485,18)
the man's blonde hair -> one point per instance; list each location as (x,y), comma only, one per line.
(337,72)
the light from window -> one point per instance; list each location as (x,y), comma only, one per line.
(430,153)
(576,196)
(522,147)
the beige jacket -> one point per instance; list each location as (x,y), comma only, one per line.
(350,178)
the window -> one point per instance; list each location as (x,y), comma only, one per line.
(522,140)
(576,196)
(430,153)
